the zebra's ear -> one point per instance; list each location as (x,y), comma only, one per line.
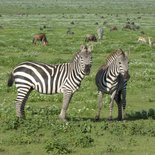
(82,47)
(126,54)
(90,48)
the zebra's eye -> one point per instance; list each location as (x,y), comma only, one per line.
(119,62)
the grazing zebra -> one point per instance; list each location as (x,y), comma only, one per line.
(100,33)
(49,79)
(112,79)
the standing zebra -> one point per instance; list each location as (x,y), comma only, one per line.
(100,33)
(112,79)
(49,79)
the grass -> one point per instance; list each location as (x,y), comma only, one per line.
(42,132)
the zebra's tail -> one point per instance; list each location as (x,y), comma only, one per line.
(10,80)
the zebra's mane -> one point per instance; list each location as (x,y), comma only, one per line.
(114,56)
(76,55)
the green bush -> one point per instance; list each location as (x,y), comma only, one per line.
(58,146)
(84,140)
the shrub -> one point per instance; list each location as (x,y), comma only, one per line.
(58,146)
(85,140)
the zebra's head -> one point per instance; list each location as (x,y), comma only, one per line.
(85,58)
(123,65)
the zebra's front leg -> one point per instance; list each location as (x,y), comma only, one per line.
(124,104)
(123,108)
(100,104)
(119,105)
(66,99)
(111,104)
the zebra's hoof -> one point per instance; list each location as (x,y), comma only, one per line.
(110,119)
(62,118)
(119,119)
(97,118)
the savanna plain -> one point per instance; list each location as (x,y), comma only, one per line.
(42,132)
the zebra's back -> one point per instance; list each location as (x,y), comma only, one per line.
(44,78)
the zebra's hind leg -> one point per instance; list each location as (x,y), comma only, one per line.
(100,104)
(22,96)
(66,99)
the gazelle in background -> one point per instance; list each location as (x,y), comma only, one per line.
(142,39)
(151,42)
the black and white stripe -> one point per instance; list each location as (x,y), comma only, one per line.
(112,79)
(50,79)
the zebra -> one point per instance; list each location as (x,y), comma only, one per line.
(50,79)
(100,33)
(112,79)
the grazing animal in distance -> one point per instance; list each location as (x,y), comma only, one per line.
(151,42)
(50,79)
(142,39)
(90,37)
(100,33)
(131,26)
(112,79)
(114,28)
(40,37)
(127,26)
(69,31)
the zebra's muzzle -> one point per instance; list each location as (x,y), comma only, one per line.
(127,75)
(87,69)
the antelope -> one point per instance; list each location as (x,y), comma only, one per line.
(114,28)
(142,39)
(151,42)
(40,37)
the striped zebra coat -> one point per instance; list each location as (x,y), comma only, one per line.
(112,79)
(50,79)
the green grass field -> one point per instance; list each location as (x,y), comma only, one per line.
(42,132)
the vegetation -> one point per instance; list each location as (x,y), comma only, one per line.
(42,132)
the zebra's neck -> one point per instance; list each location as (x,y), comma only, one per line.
(75,67)
(112,72)
(111,78)
(74,78)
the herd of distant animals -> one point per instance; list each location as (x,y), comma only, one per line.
(111,78)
